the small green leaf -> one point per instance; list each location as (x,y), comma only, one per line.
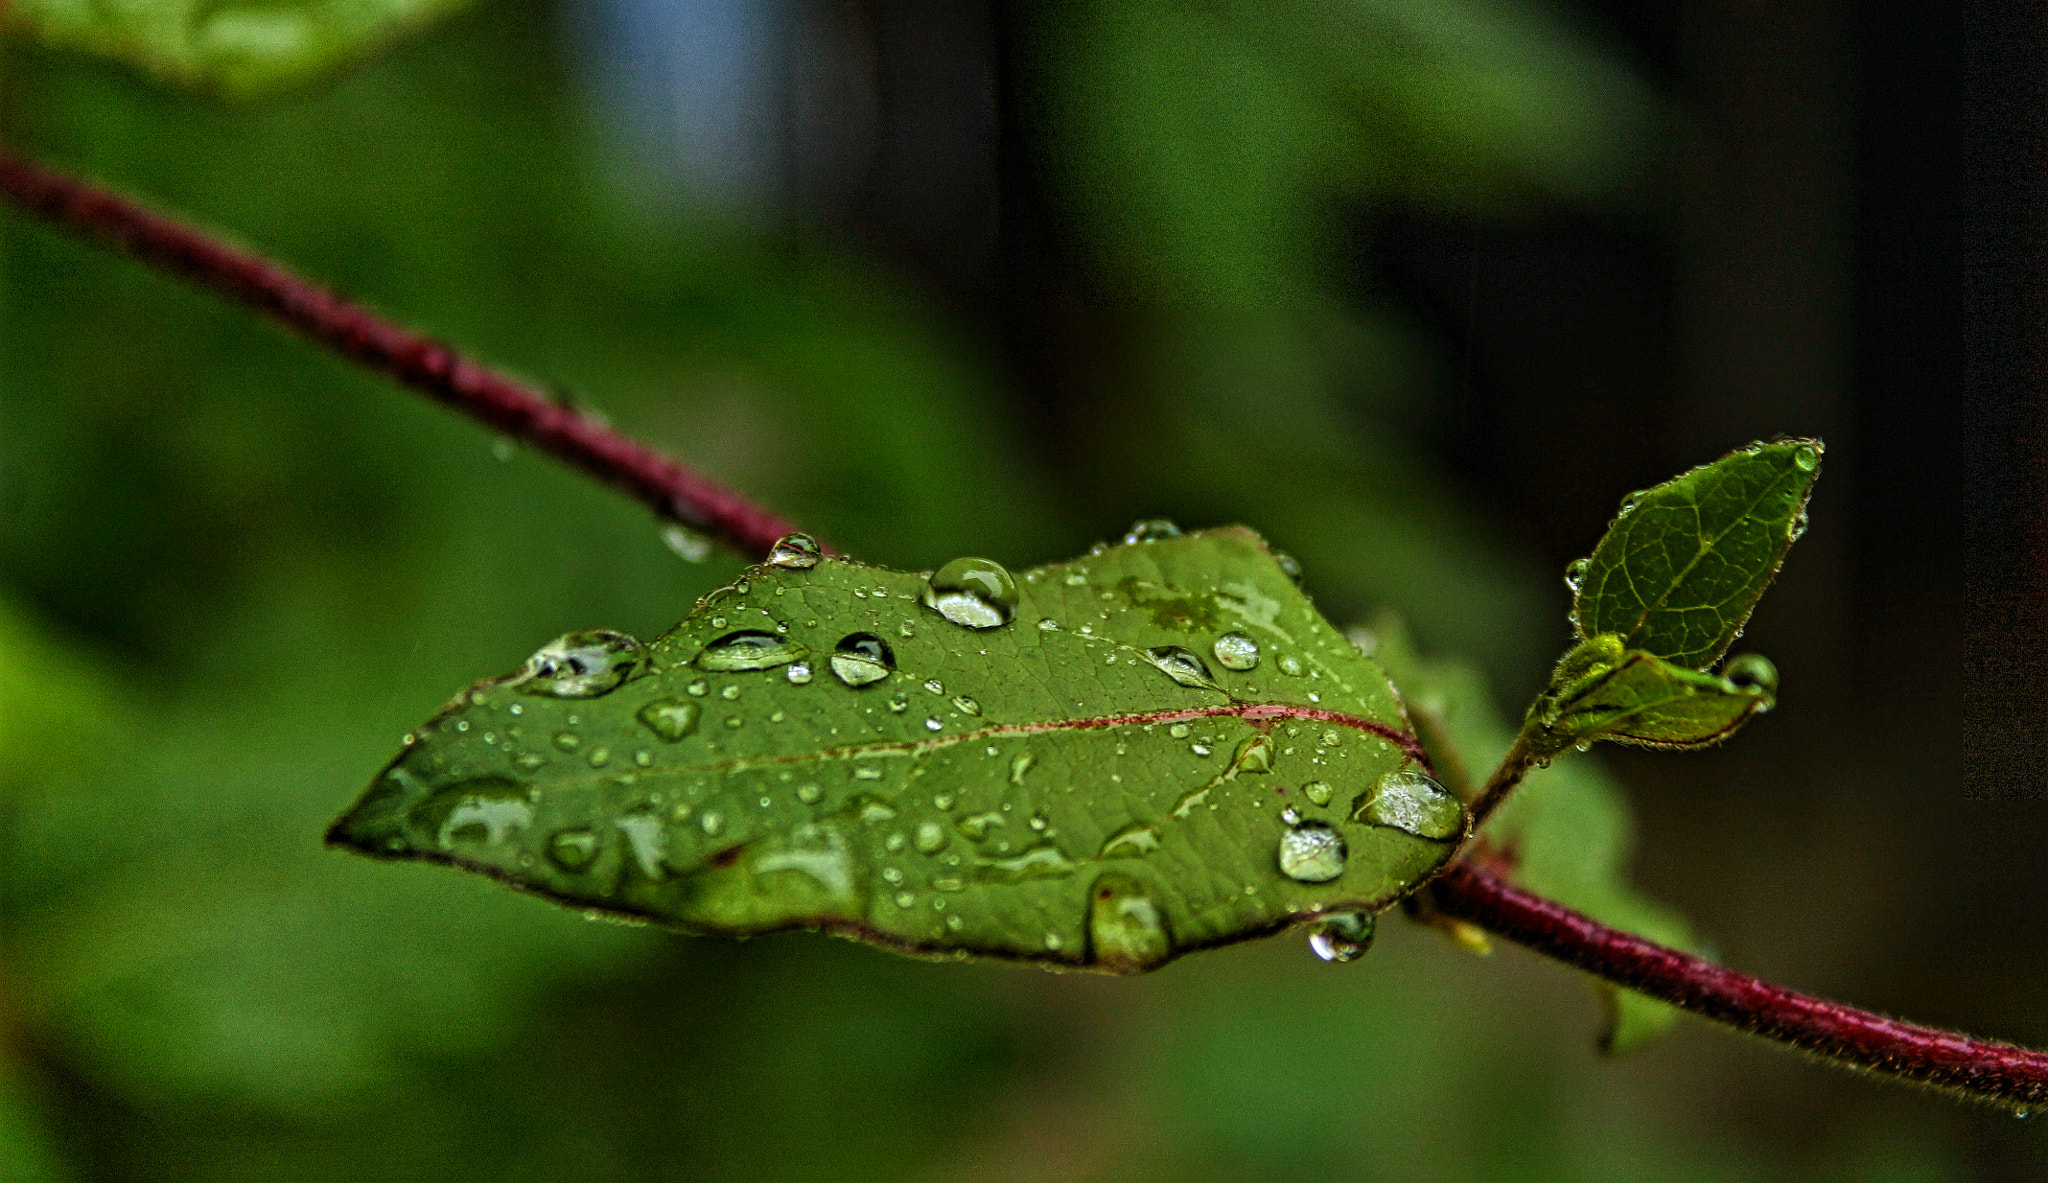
(247,50)
(1566,834)
(1632,697)
(1103,763)
(1684,563)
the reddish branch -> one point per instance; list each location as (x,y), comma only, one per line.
(422,363)
(1996,1072)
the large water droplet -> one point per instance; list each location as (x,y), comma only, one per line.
(1235,651)
(1797,527)
(1133,841)
(484,811)
(862,659)
(1807,458)
(1752,671)
(689,545)
(1575,573)
(647,838)
(581,664)
(572,850)
(1318,792)
(1150,530)
(1044,861)
(818,852)
(796,551)
(973,593)
(1342,936)
(1253,755)
(1312,852)
(749,649)
(1019,765)
(1127,930)
(931,837)
(1182,665)
(1291,665)
(1410,801)
(670,718)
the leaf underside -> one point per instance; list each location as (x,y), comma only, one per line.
(1684,563)
(1042,790)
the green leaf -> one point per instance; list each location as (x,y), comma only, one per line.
(1633,697)
(247,50)
(1105,763)
(1567,834)
(1684,563)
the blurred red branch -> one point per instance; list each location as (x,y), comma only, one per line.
(422,363)
(1980,1069)
(1996,1072)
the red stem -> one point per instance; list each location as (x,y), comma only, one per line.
(1983,1070)
(1995,1072)
(422,363)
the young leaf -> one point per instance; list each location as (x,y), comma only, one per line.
(1104,763)
(242,51)
(1684,563)
(1632,697)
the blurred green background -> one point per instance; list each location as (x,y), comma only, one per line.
(1419,288)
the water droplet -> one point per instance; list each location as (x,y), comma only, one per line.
(1127,931)
(1075,579)
(730,693)
(1182,665)
(581,664)
(871,809)
(1634,499)
(867,772)
(935,686)
(942,801)
(809,794)
(485,810)
(1342,936)
(529,761)
(862,659)
(899,704)
(1289,566)
(698,688)
(796,551)
(1048,624)
(1019,765)
(1312,852)
(1044,861)
(799,672)
(670,718)
(894,843)
(1199,749)
(1290,665)
(644,758)
(1752,671)
(1808,459)
(966,705)
(599,757)
(931,724)
(1410,801)
(568,741)
(978,826)
(1150,530)
(689,545)
(972,593)
(572,850)
(1797,528)
(712,821)
(647,838)
(1133,841)
(931,837)
(1180,731)
(1317,792)
(1253,755)
(1575,573)
(1235,651)
(749,649)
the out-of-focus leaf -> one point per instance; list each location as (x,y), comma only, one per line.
(1103,763)
(242,50)
(56,710)
(1679,571)
(1567,830)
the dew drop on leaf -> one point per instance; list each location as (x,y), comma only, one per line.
(931,837)
(1752,671)
(1151,530)
(689,545)
(1410,801)
(1575,574)
(862,659)
(1235,651)
(583,664)
(1312,852)
(749,649)
(966,705)
(572,850)
(1182,665)
(568,741)
(670,718)
(1317,792)
(1342,936)
(1290,665)
(1127,930)
(796,551)
(972,593)
(809,793)
(799,672)
(1254,755)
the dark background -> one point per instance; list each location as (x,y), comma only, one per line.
(953,286)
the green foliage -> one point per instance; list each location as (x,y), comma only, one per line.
(1684,563)
(248,50)
(1104,763)
(1603,691)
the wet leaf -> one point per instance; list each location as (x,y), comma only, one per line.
(1055,767)
(1567,833)
(1601,691)
(1684,563)
(237,50)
